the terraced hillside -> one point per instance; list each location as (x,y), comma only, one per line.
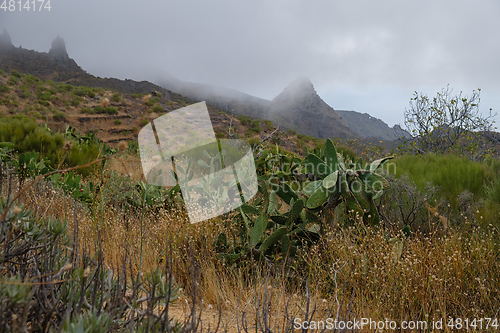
(115,115)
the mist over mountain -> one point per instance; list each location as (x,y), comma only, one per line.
(300,108)
(231,100)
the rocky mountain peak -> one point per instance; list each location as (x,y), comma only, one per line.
(5,42)
(300,108)
(298,89)
(58,48)
(302,83)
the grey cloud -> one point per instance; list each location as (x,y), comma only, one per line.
(375,52)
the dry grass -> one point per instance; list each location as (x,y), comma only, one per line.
(354,271)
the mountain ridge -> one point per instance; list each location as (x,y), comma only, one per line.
(310,115)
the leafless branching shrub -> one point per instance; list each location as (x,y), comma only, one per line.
(448,123)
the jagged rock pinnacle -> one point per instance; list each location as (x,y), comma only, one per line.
(58,48)
(5,42)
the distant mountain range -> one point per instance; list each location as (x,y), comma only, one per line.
(298,107)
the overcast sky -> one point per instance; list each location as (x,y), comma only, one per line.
(367,56)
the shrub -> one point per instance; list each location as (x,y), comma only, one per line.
(144,122)
(45,96)
(44,103)
(27,136)
(118,122)
(59,116)
(99,109)
(269,124)
(87,110)
(116,98)
(65,87)
(96,90)
(349,154)
(405,206)
(24,93)
(80,92)
(252,130)
(111,110)
(447,124)
(84,91)
(4,89)
(158,109)
(16,74)
(76,101)
(135,96)
(244,120)
(13,80)
(31,80)
(5,101)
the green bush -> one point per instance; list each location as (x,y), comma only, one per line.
(268,123)
(65,87)
(13,80)
(76,101)
(144,122)
(118,122)
(157,109)
(59,116)
(84,91)
(111,110)
(87,110)
(97,91)
(27,136)
(349,154)
(6,101)
(4,89)
(99,109)
(31,80)
(244,120)
(52,91)
(45,96)
(16,74)
(80,92)
(116,98)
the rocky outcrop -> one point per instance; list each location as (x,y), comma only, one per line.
(58,66)
(60,55)
(367,126)
(5,42)
(300,108)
